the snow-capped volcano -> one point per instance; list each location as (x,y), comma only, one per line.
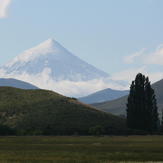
(50,66)
(60,63)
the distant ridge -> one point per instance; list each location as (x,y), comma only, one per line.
(103,95)
(118,106)
(9,82)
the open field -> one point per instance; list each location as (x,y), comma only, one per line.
(80,149)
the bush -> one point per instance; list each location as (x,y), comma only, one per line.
(96,130)
(5,130)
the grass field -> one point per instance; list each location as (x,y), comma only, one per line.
(80,149)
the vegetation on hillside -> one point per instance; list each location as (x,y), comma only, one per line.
(41,112)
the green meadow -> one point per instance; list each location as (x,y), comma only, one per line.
(81,149)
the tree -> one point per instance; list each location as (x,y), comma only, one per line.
(161,125)
(142,105)
(162,118)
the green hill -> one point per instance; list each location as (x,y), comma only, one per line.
(118,106)
(49,113)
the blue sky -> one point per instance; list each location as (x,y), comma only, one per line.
(119,37)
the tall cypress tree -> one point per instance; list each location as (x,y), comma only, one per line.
(142,106)
(161,127)
(162,118)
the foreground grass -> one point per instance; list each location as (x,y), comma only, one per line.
(81,149)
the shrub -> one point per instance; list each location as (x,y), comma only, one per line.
(96,130)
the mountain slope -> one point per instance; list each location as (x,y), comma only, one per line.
(60,62)
(16,83)
(51,66)
(103,95)
(46,112)
(118,106)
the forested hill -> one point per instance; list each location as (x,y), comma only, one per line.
(44,112)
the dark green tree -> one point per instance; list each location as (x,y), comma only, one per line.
(162,118)
(161,125)
(142,105)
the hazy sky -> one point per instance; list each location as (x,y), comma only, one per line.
(121,37)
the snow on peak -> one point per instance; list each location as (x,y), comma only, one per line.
(50,54)
(49,46)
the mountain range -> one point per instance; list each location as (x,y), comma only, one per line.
(103,95)
(50,66)
(16,83)
(118,106)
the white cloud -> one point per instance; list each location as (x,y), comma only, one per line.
(147,62)
(151,58)
(156,57)
(65,87)
(4,4)
(129,74)
(131,58)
